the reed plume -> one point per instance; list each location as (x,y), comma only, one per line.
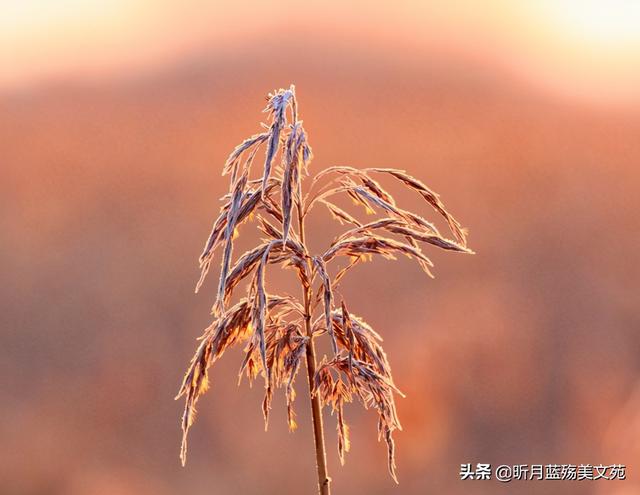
(278,332)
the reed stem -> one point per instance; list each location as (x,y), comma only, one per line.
(316,410)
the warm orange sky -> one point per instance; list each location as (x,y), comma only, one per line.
(582,48)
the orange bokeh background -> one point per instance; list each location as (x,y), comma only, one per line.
(114,123)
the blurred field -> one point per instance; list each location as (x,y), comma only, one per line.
(528,352)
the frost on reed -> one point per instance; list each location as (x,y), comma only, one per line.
(277,332)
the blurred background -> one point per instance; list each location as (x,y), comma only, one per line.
(115,120)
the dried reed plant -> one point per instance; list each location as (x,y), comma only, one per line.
(279,332)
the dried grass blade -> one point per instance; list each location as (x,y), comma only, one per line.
(343,271)
(243,267)
(417,220)
(328,299)
(344,444)
(339,214)
(232,218)
(260,306)
(434,240)
(372,244)
(231,165)
(430,197)
(277,107)
(250,201)
(348,331)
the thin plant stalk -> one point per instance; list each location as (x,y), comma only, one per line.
(324,481)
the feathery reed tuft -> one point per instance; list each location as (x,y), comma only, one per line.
(278,332)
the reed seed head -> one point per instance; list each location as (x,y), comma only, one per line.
(277,331)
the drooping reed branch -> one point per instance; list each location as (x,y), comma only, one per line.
(278,331)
